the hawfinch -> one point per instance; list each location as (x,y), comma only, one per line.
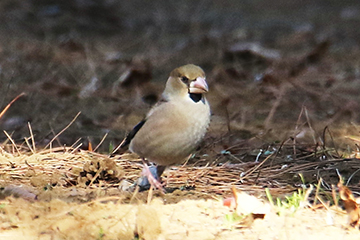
(174,127)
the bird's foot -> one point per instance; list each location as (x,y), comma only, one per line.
(149,180)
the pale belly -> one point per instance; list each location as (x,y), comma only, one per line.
(173,137)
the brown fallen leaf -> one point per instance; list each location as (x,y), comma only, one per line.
(248,206)
(351,206)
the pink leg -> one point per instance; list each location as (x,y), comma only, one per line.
(152,180)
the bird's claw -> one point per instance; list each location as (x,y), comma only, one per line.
(148,179)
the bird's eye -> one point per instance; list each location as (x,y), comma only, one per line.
(184,79)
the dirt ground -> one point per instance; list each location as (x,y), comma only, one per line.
(284,93)
(189,219)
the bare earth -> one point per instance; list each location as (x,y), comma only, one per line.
(188,219)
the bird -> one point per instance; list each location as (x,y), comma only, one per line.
(175,125)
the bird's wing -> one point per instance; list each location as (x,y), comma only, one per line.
(132,134)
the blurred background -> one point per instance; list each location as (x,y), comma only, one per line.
(276,69)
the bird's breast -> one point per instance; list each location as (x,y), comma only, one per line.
(172,132)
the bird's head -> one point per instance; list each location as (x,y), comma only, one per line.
(185,80)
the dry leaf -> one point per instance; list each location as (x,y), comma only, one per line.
(351,206)
(247,205)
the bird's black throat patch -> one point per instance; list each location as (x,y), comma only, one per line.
(196,96)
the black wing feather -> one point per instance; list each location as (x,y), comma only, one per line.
(132,134)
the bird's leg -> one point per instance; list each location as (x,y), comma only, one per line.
(152,180)
(159,170)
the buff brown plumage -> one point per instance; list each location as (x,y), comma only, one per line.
(175,126)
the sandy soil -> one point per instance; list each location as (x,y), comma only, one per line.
(105,218)
(46,197)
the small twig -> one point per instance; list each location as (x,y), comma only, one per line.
(95,177)
(33,150)
(332,139)
(279,148)
(12,141)
(67,126)
(76,148)
(317,191)
(12,101)
(29,146)
(28,164)
(309,124)
(295,132)
(104,199)
(255,168)
(73,145)
(136,191)
(118,147)
(322,202)
(299,117)
(351,176)
(57,140)
(150,194)
(308,192)
(275,106)
(102,140)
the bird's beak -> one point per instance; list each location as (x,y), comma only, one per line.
(198,86)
